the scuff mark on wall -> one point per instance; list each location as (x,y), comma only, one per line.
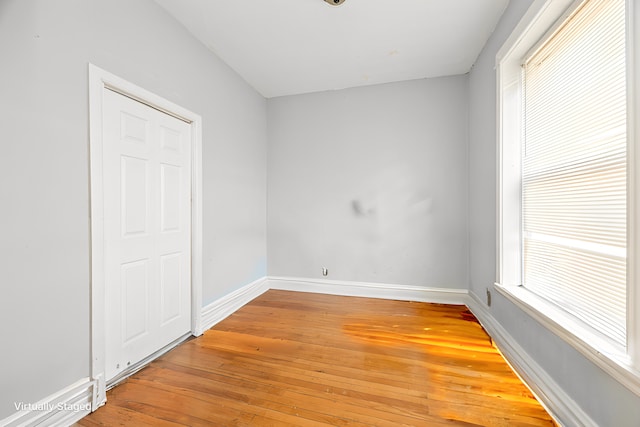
(360,209)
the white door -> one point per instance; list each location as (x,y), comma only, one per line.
(147,224)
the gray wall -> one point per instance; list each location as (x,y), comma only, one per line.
(604,399)
(370,182)
(44,171)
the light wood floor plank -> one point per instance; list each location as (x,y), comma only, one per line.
(301,359)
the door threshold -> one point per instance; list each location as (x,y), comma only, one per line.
(136,367)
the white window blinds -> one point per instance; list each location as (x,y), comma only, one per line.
(574,168)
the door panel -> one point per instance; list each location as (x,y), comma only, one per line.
(171,140)
(170,188)
(134,195)
(133,129)
(170,266)
(135,286)
(147,209)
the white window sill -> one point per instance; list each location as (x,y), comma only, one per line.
(604,353)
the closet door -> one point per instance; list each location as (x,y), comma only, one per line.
(147,211)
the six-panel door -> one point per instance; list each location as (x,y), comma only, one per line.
(147,217)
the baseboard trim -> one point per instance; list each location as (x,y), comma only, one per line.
(62,408)
(370,290)
(224,307)
(555,400)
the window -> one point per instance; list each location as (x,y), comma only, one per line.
(566,212)
(574,168)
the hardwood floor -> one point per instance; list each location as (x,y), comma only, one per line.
(301,359)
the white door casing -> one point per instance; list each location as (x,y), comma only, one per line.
(146,207)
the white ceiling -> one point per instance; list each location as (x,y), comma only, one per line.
(285,47)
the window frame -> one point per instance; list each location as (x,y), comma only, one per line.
(539,23)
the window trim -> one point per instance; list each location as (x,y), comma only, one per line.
(541,20)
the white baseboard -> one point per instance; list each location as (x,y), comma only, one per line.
(557,402)
(62,408)
(228,304)
(370,290)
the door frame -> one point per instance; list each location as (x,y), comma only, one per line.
(99,81)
